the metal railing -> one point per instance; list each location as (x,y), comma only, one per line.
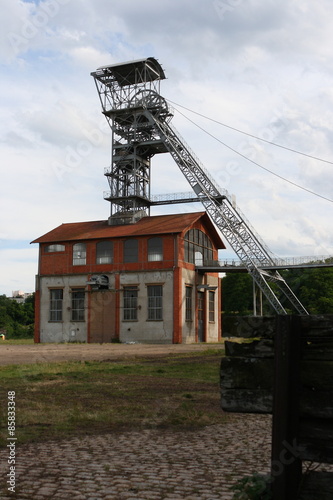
(279,262)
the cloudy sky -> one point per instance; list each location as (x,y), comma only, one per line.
(260,66)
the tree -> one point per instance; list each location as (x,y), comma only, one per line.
(313,287)
(17,318)
(237,294)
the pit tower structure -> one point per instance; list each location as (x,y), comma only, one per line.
(140,121)
(127,91)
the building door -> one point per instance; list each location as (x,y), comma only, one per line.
(102,317)
(201,316)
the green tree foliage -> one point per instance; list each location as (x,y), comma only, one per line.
(237,294)
(313,287)
(17,318)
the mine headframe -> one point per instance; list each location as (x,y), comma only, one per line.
(126,92)
(139,118)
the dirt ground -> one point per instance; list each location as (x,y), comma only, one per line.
(47,353)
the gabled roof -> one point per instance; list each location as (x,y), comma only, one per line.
(160,224)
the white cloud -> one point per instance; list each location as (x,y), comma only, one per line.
(18,269)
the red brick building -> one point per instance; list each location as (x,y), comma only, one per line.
(134,282)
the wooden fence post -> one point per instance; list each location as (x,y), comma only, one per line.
(286,466)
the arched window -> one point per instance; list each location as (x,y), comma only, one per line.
(104,252)
(155,249)
(131,250)
(198,247)
(79,254)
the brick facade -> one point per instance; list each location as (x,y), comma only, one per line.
(148,295)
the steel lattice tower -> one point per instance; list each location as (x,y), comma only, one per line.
(126,92)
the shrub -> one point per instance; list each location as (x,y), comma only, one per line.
(255,487)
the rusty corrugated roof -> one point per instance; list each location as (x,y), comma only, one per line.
(160,224)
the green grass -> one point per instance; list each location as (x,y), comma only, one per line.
(58,400)
(16,341)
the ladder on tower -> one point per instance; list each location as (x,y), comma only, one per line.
(229,220)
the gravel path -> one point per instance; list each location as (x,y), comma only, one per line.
(49,353)
(147,465)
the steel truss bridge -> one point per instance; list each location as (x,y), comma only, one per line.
(140,122)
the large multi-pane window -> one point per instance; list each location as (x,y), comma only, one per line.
(211,306)
(104,252)
(130,307)
(79,254)
(198,247)
(131,250)
(77,304)
(155,249)
(155,302)
(56,301)
(188,303)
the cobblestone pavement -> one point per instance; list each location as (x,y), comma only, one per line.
(148,465)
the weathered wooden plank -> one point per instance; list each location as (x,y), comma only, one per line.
(251,400)
(317,325)
(317,486)
(252,372)
(316,440)
(317,375)
(318,349)
(246,400)
(286,408)
(256,349)
(247,373)
(316,403)
(249,326)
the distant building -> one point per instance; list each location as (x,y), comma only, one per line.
(136,282)
(20,296)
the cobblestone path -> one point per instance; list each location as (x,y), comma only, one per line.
(147,465)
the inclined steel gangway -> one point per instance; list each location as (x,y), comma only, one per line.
(229,220)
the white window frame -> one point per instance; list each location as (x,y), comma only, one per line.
(56,305)
(155,302)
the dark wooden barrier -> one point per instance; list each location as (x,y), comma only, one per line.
(284,366)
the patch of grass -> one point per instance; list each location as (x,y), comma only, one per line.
(16,342)
(58,400)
